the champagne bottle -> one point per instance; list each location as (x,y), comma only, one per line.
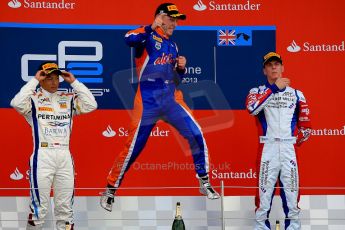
(277,225)
(178,223)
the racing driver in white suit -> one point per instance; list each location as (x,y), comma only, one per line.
(283,120)
(49,114)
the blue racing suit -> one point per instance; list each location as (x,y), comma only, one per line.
(157,99)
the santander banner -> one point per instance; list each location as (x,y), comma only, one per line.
(223,41)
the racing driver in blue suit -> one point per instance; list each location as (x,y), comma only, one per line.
(159,68)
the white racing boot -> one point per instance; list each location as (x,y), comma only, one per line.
(206,188)
(107,199)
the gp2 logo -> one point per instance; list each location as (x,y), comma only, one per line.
(79,65)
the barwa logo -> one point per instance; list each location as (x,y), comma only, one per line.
(59,5)
(214,5)
(314,47)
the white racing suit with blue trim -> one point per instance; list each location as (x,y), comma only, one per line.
(283,121)
(51,164)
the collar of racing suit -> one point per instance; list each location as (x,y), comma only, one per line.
(161,32)
(46,93)
(268,85)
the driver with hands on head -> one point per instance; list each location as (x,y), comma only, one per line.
(50,114)
(283,120)
(159,68)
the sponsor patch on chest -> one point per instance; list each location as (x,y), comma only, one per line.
(46,109)
(63,105)
(157,38)
(158,45)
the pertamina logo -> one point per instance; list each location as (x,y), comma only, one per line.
(59,5)
(216,6)
(312,47)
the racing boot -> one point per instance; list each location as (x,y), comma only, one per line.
(69,226)
(34,224)
(107,198)
(206,188)
(31,226)
(62,225)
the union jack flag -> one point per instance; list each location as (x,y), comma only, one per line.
(226,37)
